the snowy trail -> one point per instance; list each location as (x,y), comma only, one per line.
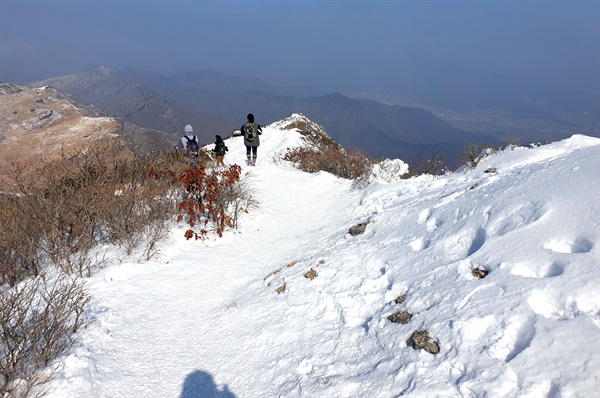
(192,300)
(204,319)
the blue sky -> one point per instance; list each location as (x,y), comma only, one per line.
(339,44)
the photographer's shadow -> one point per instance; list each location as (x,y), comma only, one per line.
(199,384)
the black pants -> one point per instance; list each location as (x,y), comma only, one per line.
(254,149)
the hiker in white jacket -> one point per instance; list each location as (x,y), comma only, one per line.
(189,142)
(188,146)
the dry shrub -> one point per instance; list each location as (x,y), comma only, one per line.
(136,208)
(475,153)
(510,143)
(184,160)
(20,242)
(434,165)
(37,321)
(65,208)
(332,158)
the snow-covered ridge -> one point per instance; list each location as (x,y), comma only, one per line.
(205,318)
(300,123)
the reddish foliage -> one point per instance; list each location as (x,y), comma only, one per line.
(206,201)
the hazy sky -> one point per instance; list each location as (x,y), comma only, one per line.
(336,43)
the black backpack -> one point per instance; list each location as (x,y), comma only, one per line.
(221,149)
(192,144)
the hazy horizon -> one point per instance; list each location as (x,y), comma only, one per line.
(393,47)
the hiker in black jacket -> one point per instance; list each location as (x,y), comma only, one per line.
(251,131)
(220,150)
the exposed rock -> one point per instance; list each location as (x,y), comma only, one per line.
(400,317)
(272,273)
(491,170)
(474,186)
(6,88)
(420,340)
(312,274)
(358,229)
(281,288)
(479,273)
(400,299)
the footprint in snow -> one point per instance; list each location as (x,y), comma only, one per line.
(518,333)
(534,270)
(419,244)
(512,218)
(578,245)
(423,216)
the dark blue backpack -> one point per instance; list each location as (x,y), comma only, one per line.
(192,144)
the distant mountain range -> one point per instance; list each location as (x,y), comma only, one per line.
(137,98)
(216,104)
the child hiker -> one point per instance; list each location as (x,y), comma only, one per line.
(220,150)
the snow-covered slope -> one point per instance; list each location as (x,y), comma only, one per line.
(204,319)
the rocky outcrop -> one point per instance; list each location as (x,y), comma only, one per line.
(358,229)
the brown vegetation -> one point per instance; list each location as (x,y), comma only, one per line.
(332,158)
(66,207)
(37,321)
(434,165)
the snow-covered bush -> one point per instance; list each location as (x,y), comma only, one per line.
(388,171)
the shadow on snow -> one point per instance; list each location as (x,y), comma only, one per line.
(199,384)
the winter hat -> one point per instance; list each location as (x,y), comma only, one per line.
(189,129)
(250,118)
(219,139)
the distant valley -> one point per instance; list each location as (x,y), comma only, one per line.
(552,126)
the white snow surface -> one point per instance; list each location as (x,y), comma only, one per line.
(203,319)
